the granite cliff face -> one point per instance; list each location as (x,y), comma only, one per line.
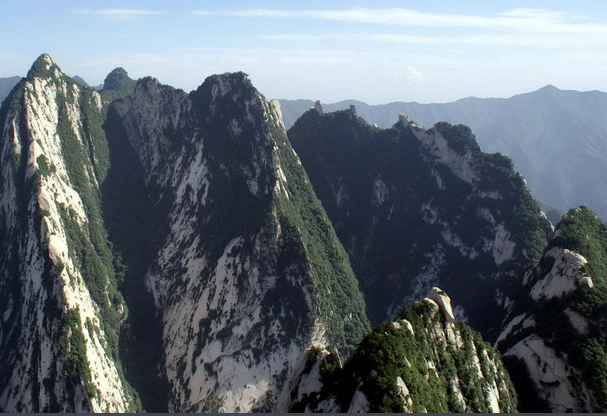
(554,338)
(193,208)
(417,207)
(247,272)
(60,304)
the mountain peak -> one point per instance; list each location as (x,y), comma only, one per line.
(42,66)
(549,89)
(229,81)
(117,84)
(45,58)
(117,80)
(231,86)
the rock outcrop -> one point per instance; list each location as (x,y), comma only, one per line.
(566,275)
(420,362)
(554,340)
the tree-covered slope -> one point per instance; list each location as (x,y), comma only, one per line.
(117,85)
(555,338)
(418,207)
(422,361)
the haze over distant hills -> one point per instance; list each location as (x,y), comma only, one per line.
(6,85)
(557,138)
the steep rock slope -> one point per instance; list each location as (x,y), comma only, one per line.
(247,272)
(422,361)
(58,286)
(554,341)
(534,129)
(196,208)
(417,207)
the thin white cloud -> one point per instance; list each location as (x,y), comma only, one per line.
(118,14)
(523,20)
(546,41)
(413,73)
(373,76)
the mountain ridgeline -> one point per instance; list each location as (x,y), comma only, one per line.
(556,138)
(62,309)
(171,251)
(417,208)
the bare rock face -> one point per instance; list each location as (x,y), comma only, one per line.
(197,205)
(444,303)
(566,276)
(278,110)
(57,346)
(318,107)
(553,377)
(232,279)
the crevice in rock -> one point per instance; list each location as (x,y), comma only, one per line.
(131,220)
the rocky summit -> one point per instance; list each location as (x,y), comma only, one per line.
(171,251)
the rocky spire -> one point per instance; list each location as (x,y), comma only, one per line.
(42,66)
(444,303)
(318,107)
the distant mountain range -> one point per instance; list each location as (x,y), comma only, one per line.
(557,139)
(6,85)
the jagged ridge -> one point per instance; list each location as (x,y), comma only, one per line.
(243,265)
(418,207)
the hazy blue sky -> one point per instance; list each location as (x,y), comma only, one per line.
(376,51)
